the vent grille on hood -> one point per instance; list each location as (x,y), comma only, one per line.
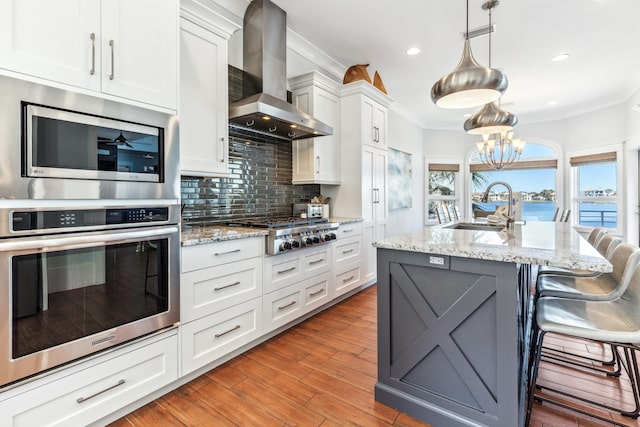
(264,108)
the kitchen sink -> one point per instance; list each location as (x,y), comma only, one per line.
(476,226)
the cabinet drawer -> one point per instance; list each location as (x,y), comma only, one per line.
(204,292)
(286,305)
(213,254)
(348,230)
(92,393)
(287,269)
(348,278)
(209,338)
(347,251)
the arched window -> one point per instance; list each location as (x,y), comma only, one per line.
(533,178)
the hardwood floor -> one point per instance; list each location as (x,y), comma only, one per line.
(322,373)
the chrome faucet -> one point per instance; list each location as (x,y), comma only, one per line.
(485,199)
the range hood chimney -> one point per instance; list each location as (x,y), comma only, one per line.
(264,109)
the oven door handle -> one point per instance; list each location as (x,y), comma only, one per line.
(86,239)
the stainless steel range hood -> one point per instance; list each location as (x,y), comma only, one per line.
(264,108)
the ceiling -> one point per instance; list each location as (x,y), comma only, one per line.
(601,36)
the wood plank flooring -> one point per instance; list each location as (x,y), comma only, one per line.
(322,373)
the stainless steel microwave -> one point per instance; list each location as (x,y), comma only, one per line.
(60,145)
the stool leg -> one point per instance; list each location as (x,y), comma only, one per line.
(539,336)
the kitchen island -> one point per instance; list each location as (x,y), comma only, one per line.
(454,318)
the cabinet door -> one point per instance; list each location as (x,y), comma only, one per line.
(61,49)
(316,160)
(368,125)
(140,50)
(203,101)
(380,184)
(368,183)
(380,125)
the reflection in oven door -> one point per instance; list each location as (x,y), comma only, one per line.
(76,294)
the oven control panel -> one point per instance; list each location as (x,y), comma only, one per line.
(91,218)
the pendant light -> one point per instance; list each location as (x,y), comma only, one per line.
(491,118)
(470,84)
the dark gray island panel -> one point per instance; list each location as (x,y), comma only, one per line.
(450,338)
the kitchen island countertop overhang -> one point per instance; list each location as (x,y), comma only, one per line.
(536,242)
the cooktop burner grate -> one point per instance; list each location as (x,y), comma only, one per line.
(278,222)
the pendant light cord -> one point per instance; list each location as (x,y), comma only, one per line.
(466,36)
(490,31)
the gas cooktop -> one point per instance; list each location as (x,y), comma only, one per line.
(278,222)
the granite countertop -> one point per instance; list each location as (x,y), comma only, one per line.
(541,243)
(201,235)
(344,220)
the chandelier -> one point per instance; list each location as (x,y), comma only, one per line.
(501,152)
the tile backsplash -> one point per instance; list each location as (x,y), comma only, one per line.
(258,184)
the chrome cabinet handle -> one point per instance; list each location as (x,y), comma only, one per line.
(317,164)
(313,294)
(222,150)
(286,271)
(227,286)
(373,134)
(286,305)
(347,251)
(349,230)
(316,261)
(84,399)
(92,36)
(348,279)
(227,332)
(227,252)
(113,73)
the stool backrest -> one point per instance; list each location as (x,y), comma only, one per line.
(595,235)
(632,290)
(625,259)
(607,243)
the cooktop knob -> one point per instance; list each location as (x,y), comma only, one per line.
(316,239)
(307,241)
(285,246)
(295,244)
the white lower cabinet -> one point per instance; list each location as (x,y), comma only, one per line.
(80,396)
(286,269)
(348,278)
(289,303)
(209,338)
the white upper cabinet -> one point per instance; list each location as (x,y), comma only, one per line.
(204,111)
(125,48)
(316,160)
(374,123)
(140,50)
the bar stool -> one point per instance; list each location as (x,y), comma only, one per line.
(594,237)
(453,212)
(443,215)
(615,322)
(624,258)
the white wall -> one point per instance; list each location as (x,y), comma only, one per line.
(406,136)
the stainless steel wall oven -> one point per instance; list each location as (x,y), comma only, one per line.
(89,226)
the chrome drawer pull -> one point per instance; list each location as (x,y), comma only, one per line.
(227,286)
(347,251)
(84,399)
(348,279)
(286,271)
(287,305)
(348,231)
(227,252)
(226,332)
(316,261)
(313,294)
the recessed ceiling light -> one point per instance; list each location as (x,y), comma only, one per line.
(413,51)
(551,103)
(560,57)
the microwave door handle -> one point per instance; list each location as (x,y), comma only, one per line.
(85,240)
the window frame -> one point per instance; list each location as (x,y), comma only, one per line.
(574,186)
(458,186)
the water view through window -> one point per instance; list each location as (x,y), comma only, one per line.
(595,202)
